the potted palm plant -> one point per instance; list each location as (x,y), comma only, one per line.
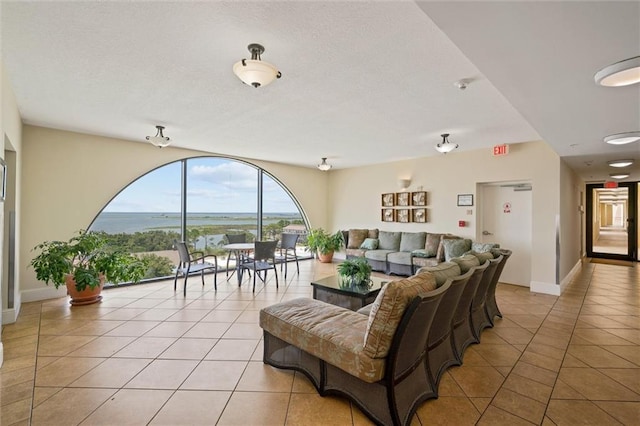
(356,271)
(324,244)
(83,264)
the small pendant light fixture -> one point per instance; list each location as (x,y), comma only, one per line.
(621,73)
(255,72)
(445,146)
(324,166)
(159,139)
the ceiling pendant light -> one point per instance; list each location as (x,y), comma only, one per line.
(621,73)
(445,146)
(622,138)
(324,166)
(255,72)
(159,139)
(619,175)
(620,163)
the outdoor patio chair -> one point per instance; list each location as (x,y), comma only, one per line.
(287,250)
(191,262)
(263,259)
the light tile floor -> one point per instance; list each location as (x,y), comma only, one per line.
(147,355)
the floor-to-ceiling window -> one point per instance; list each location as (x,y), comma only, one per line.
(197,200)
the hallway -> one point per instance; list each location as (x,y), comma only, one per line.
(148,356)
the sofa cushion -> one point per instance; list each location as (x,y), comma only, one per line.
(432,243)
(399,258)
(419,253)
(455,248)
(466,262)
(441,272)
(380,255)
(329,332)
(412,241)
(387,311)
(356,237)
(440,253)
(482,257)
(355,252)
(369,244)
(389,240)
(425,261)
(483,247)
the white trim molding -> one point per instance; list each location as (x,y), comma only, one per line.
(43,293)
(546,288)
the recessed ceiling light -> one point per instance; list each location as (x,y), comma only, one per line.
(620,163)
(621,73)
(622,138)
(619,175)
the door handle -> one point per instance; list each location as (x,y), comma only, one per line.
(486,233)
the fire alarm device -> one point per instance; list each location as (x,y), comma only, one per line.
(462,223)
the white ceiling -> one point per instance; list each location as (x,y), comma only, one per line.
(363,82)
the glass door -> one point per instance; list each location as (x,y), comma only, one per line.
(611,221)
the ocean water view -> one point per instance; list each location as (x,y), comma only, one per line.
(131,222)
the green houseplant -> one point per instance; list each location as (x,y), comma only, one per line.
(356,271)
(324,244)
(83,264)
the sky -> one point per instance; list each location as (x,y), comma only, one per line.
(215,185)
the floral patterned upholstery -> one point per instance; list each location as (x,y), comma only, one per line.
(328,332)
(387,311)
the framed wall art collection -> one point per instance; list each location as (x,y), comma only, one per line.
(404,207)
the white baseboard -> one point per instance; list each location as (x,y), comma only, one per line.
(546,288)
(566,280)
(43,293)
(9,316)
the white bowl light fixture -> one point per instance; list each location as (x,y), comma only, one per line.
(445,146)
(619,175)
(620,163)
(622,138)
(255,72)
(621,73)
(324,166)
(159,139)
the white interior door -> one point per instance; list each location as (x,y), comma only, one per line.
(506,219)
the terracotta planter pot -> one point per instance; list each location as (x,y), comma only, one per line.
(325,258)
(86,296)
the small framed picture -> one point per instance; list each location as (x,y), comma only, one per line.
(402,199)
(388,215)
(402,215)
(419,198)
(465,199)
(388,200)
(419,215)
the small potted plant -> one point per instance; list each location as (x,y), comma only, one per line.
(83,264)
(324,244)
(356,271)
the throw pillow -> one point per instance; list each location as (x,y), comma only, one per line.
(482,257)
(387,311)
(483,247)
(420,253)
(357,237)
(432,244)
(440,253)
(369,244)
(455,248)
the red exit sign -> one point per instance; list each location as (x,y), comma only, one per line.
(500,150)
(611,184)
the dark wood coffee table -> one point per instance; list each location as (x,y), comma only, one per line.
(330,290)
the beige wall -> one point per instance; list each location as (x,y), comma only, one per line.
(355,194)
(69,177)
(571,219)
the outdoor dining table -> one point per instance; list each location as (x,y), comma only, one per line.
(240,250)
